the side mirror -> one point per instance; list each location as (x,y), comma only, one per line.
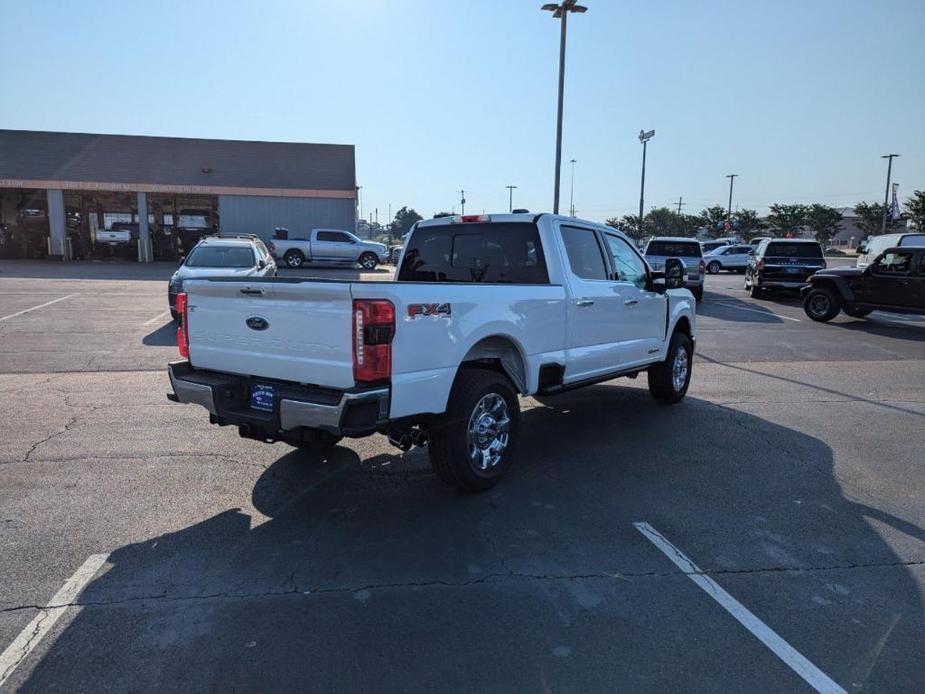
(675,273)
(182,259)
(860,250)
(751,251)
(261,263)
(657,281)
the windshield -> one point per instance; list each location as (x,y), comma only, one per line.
(684,249)
(794,250)
(237,257)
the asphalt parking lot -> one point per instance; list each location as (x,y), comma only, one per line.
(142,549)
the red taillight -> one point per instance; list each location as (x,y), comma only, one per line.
(373,328)
(703,267)
(271,246)
(469,218)
(760,266)
(183,328)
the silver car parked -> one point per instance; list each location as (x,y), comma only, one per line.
(661,248)
(727,258)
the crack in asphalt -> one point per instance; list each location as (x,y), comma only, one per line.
(27,648)
(493,577)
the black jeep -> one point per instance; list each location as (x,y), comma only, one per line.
(895,282)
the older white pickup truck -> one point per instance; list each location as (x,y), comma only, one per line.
(483,308)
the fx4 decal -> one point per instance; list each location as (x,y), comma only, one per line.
(415,310)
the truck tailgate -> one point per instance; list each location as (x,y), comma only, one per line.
(292,331)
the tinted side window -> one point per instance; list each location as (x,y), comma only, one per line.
(912,240)
(333,236)
(684,249)
(629,266)
(894,264)
(584,253)
(491,253)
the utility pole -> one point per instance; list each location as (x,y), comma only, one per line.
(571,200)
(680,202)
(510,198)
(360,200)
(644,138)
(462,201)
(731,178)
(560,11)
(886,195)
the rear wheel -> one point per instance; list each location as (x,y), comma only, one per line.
(697,292)
(472,447)
(855,312)
(294,258)
(669,380)
(714,267)
(368,261)
(175,316)
(755,292)
(821,304)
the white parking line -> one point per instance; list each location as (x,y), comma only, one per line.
(47,303)
(29,637)
(769,314)
(813,676)
(156,318)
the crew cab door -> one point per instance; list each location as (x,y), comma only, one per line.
(890,279)
(595,306)
(642,318)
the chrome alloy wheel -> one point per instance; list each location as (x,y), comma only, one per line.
(489,431)
(679,368)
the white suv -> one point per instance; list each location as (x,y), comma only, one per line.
(222,256)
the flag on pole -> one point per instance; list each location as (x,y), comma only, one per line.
(895,207)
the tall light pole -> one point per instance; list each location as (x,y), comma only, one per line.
(731,178)
(571,197)
(560,11)
(510,198)
(644,138)
(462,201)
(886,195)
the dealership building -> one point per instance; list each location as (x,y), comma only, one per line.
(66,195)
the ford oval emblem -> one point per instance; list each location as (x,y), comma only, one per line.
(257,323)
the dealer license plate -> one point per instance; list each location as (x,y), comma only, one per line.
(262,398)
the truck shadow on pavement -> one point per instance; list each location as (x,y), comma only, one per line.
(88,270)
(729,308)
(164,336)
(371,575)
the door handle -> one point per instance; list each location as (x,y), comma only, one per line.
(252,292)
(585,302)
(630,302)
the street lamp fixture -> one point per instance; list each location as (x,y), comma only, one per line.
(644,137)
(561,11)
(510,198)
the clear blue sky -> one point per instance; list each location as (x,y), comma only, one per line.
(798,97)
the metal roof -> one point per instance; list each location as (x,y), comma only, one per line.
(173,163)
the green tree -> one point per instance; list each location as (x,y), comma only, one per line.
(787,219)
(629,225)
(824,221)
(714,218)
(661,222)
(405,218)
(688,224)
(870,217)
(914,208)
(747,223)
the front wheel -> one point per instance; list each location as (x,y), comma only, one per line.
(369,261)
(473,446)
(714,267)
(669,379)
(821,305)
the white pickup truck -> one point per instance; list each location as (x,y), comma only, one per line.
(483,308)
(326,246)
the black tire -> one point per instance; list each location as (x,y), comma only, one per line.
(368,261)
(714,267)
(821,304)
(175,316)
(294,258)
(855,312)
(755,292)
(698,293)
(449,446)
(662,383)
